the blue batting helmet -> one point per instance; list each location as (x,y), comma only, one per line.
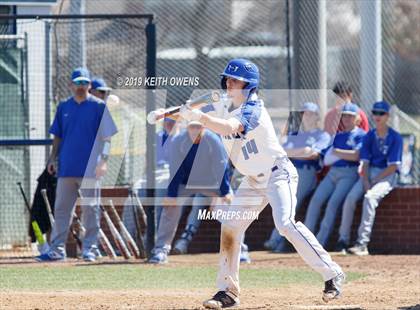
(242,70)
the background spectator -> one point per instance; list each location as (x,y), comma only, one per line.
(381,156)
(341,177)
(332,120)
(82,130)
(198,172)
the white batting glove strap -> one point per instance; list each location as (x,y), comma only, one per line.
(190,114)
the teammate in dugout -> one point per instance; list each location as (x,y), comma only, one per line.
(82,130)
(250,140)
(303,147)
(381,157)
(340,178)
(198,170)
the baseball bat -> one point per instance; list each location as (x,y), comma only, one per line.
(132,246)
(157,115)
(137,222)
(52,221)
(119,242)
(35,226)
(103,240)
(138,206)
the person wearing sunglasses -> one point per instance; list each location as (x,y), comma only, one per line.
(82,130)
(381,157)
(99,89)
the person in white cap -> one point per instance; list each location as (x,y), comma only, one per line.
(340,178)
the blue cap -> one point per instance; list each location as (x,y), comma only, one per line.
(99,84)
(169,120)
(381,106)
(350,109)
(80,74)
(311,107)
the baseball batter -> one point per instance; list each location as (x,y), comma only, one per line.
(250,140)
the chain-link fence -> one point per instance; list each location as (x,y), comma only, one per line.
(37,56)
(195,38)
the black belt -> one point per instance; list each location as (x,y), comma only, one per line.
(272,170)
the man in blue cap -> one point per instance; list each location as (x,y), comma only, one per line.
(340,178)
(303,147)
(380,156)
(82,130)
(100,89)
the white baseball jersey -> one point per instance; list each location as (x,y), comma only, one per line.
(255,150)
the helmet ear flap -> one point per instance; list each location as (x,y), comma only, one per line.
(223,82)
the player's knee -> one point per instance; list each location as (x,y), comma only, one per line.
(284,227)
(369,195)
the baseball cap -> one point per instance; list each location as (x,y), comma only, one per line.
(80,74)
(381,106)
(99,84)
(169,120)
(350,109)
(310,106)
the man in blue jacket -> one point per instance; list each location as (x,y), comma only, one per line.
(82,130)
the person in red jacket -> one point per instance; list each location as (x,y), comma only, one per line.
(332,122)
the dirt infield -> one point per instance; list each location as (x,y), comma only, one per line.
(389,282)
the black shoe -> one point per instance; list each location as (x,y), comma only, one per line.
(341,247)
(221,300)
(333,287)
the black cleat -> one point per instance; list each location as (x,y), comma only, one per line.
(333,288)
(221,300)
(341,247)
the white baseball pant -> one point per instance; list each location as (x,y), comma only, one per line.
(278,189)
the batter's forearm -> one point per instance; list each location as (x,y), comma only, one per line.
(221,126)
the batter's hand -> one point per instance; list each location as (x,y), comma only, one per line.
(190,114)
(101,169)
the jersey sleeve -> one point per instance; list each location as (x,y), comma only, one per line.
(365,153)
(249,116)
(323,141)
(358,141)
(395,151)
(56,127)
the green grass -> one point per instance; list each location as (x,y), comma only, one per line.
(120,277)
